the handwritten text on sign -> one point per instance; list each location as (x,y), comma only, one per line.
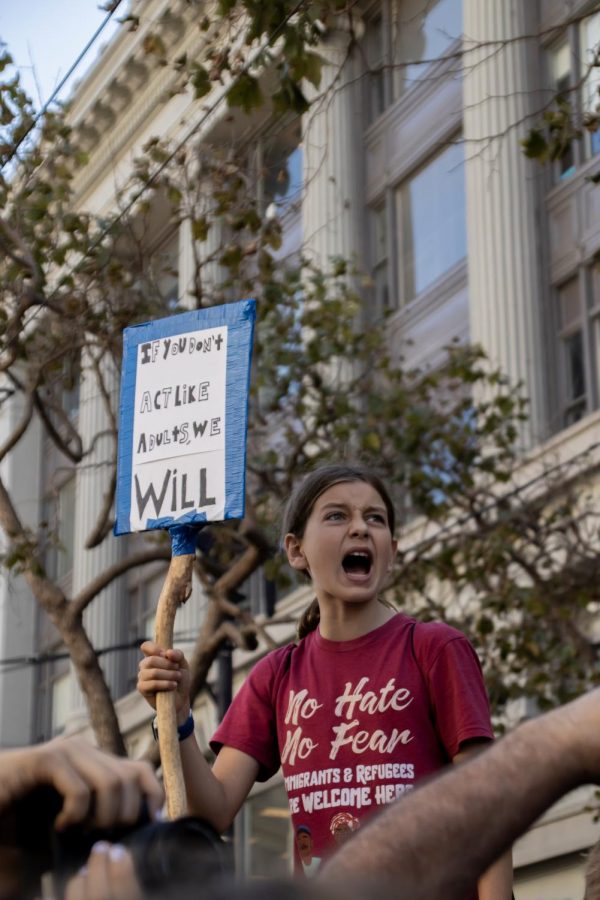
(179,426)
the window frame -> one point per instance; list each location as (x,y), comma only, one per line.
(387,12)
(409,132)
(587,323)
(582,149)
(244,838)
(406,297)
(55,550)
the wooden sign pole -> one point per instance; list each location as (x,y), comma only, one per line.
(175,591)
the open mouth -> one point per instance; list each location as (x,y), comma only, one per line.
(357,564)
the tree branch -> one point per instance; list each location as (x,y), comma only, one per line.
(19,430)
(98,584)
(74,455)
(49,595)
(104,521)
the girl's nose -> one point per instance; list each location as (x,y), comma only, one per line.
(358,525)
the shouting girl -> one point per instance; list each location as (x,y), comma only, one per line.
(364,704)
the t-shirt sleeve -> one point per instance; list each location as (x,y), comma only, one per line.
(457,693)
(249,723)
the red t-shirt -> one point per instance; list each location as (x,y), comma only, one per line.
(355,724)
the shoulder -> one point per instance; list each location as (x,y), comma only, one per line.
(271,666)
(437,634)
(435,641)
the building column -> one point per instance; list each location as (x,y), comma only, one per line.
(503,196)
(186,267)
(333,207)
(19,612)
(104,616)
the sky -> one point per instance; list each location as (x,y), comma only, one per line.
(47,36)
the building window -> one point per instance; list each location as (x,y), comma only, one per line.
(280,170)
(573,387)
(589,41)
(258,594)
(60,519)
(560,73)
(574,79)
(71,394)
(424,32)
(416,238)
(379,255)
(578,317)
(53,693)
(431,221)
(265,834)
(61,701)
(376,54)
(61,393)
(140,617)
(164,272)
(403,41)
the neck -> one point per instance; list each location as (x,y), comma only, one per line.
(344,622)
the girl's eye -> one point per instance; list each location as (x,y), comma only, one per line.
(334,516)
(377,517)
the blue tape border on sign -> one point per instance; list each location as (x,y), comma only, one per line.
(239,318)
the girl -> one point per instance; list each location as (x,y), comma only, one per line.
(365,704)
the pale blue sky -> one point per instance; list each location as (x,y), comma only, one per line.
(48,35)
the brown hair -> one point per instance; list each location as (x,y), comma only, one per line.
(300,505)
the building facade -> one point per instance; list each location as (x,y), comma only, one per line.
(414,169)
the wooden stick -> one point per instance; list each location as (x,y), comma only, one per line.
(176,590)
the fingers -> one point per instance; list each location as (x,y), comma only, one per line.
(118,798)
(124,785)
(152,789)
(73,788)
(108,875)
(163,670)
(149,648)
(157,674)
(118,786)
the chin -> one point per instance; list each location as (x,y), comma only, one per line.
(356,596)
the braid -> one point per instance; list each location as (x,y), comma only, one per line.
(309,620)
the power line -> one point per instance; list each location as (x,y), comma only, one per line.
(150,181)
(39,659)
(62,83)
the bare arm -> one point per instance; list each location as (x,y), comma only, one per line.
(216,793)
(469,816)
(496,883)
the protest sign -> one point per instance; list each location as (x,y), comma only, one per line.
(181,458)
(183,417)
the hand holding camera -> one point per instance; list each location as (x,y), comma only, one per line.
(102,789)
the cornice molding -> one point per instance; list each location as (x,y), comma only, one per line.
(127,86)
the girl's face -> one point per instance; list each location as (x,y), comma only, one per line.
(347,547)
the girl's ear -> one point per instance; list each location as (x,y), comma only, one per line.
(295,554)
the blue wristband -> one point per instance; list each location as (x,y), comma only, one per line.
(183,731)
